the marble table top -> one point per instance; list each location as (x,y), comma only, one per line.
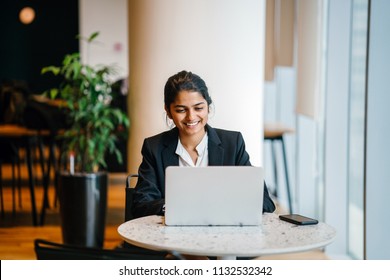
(272,237)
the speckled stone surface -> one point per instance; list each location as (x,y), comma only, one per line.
(273,237)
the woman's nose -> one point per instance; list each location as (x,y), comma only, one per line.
(190,114)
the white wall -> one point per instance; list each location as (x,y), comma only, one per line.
(109,17)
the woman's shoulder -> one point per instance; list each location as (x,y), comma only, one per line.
(224,135)
(162,137)
(224,132)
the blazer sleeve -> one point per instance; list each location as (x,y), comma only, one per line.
(268,204)
(147,198)
(242,157)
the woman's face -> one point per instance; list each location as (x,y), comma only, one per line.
(189,112)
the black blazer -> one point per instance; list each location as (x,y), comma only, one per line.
(224,148)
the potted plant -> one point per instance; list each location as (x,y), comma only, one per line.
(93,128)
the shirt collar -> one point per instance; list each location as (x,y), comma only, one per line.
(201,149)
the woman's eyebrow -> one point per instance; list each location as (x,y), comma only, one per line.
(180,106)
(183,106)
(197,104)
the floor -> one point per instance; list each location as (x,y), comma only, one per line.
(17,233)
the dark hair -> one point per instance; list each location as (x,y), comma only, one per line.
(184,81)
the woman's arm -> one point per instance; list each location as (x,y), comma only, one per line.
(147,198)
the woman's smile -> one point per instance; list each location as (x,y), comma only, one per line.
(192,123)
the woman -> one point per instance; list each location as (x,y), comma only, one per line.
(192,142)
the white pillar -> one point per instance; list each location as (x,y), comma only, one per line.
(220,40)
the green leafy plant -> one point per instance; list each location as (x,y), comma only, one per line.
(94,125)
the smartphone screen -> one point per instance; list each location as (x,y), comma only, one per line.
(298,219)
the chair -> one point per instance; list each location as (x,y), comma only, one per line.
(48,120)
(22,137)
(129,196)
(9,153)
(129,216)
(275,133)
(48,250)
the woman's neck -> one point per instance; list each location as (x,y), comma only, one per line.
(190,142)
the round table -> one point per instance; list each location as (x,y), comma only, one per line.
(227,242)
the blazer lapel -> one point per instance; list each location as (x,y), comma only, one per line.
(169,157)
(216,152)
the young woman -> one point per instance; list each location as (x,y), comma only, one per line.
(192,142)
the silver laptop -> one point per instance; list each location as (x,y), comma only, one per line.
(214,196)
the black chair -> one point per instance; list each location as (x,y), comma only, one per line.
(47,250)
(9,153)
(48,120)
(128,213)
(15,108)
(129,196)
(129,216)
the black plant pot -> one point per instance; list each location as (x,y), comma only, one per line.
(83,205)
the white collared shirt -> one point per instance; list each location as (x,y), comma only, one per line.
(201,149)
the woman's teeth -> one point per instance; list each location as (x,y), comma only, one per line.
(192,123)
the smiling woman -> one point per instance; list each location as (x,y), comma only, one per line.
(188,107)
(192,142)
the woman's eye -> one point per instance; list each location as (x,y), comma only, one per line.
(198,108)
(180,110)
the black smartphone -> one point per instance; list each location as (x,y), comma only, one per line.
(298,219)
